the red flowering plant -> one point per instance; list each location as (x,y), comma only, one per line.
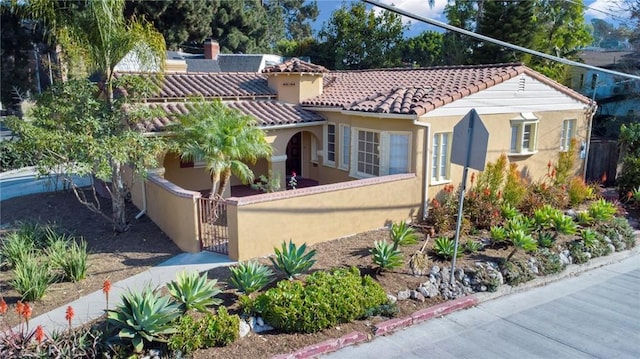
(106,288)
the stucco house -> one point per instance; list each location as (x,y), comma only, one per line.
(377,143)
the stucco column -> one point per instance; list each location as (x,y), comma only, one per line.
(278,167)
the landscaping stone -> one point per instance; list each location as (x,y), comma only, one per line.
(258,325)
(245,328)
(392,299)
(416,295)
(404,294)
(435,270)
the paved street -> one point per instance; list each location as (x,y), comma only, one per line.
(593,315)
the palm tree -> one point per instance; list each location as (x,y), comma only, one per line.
(225,139)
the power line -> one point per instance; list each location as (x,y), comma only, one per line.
(496,41)
(597,10)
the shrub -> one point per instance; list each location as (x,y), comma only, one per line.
(250,276)
(194,291)
(208,331)
(385,256)
(566,165)
(442,212)
(327,298)
(492,178)
(515,188)
(56,249)
(444,247)
(74,265)
(579,253)
(564,224)
(144,317)
(620,232)
(293,261)
(31,278)
(482,209)
(578,191)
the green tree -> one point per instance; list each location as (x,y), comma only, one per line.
(462,14)
(361,39)
(225,139)
(297,17)
(424,49)
(95,39)
(17,53)
(180,21)
(560,30)
(508,21)
(241,26)
(74,130)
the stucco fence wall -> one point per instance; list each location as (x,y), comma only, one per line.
(172,208)
(259,223)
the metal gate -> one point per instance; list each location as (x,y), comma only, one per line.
(212,225)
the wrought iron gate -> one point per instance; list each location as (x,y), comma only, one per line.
(212,225)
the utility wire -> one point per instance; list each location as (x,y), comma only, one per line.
(496,41)
(598,10)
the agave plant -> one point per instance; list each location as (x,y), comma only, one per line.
(498,234)
(519,222)
(543,217)
(508,211)
(584,218)
(250,276)
(471,246)
(292,260)
(523,241)
(546,239)
(589,238)
(564,224)
(144,317)
(402,234)
(445,247)
(385,256)
(602,210)
(194,291)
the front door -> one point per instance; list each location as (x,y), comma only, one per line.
(294,155)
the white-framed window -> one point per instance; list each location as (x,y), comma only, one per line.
(399,153)
(568,132)
(441,157)
(368,153)
(345,146)
(330,144)
(524,134)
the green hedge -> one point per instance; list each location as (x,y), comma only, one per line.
(325,300)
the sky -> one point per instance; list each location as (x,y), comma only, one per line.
(601,9)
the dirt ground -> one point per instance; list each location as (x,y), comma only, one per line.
(116,256)
(112,256)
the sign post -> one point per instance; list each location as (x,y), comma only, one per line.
(469,149)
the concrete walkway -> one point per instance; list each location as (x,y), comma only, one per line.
(92,306)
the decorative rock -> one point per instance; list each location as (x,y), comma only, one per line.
(606,239)
(417,296)
(611,247)
(564,259)
(259,321)
(429,290)
(444,274)
(435,270)
(483,288)
(571,213)
(260,326)
(459,274)
(392,299)
(404,294)
(244,329)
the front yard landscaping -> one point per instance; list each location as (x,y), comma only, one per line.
(513,231)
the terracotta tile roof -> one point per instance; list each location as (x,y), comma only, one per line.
(211,84)
(295,65)
(268,113)
(416,91)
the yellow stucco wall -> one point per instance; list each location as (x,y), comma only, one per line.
(191,178)
(534,166)
(295,87)
(257,224)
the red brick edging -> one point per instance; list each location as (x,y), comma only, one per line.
(383,328)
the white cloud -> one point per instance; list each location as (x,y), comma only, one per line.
(603,9)
(419,8)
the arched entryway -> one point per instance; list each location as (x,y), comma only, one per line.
(294,155)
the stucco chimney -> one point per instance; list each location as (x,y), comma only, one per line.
(211,49)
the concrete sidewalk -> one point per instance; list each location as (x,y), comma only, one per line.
(92,306)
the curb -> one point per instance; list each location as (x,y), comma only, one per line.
(451,306)
(327,346)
